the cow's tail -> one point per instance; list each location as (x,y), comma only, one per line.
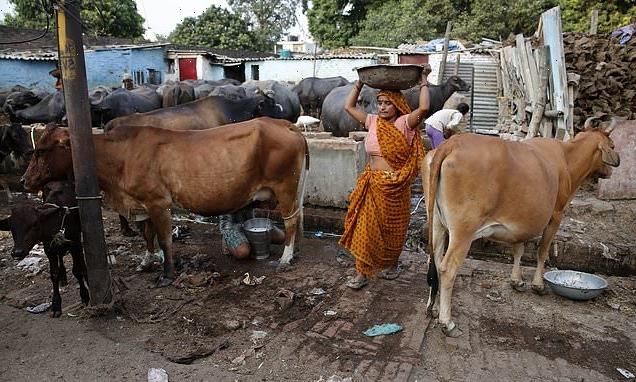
(432,277)
(302,183)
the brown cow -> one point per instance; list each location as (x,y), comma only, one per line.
(510,192)
(209,172)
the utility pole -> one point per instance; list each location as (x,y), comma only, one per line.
(71,57)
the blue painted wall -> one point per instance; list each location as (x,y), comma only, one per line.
(107,67)
(103,67)
(28,73)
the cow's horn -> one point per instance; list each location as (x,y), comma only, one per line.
(588,122)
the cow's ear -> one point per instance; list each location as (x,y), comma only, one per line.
(608,155)
(5,224)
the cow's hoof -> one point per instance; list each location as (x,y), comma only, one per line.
(128,232)
(55,313)
(519,286)
(164,281)
(451,330)
(541,290)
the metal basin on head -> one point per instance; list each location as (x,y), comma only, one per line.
(390,77)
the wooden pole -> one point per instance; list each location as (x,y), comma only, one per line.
(594,21)
(539,106)
(71,53)
(442,65)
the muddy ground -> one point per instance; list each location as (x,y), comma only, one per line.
(302,324)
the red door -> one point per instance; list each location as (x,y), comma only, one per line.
(187,69)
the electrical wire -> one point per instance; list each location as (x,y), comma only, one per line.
(48,23)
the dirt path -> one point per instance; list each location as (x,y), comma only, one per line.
(232,331)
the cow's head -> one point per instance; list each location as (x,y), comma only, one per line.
(13,138)
(458,84)
(267,107)
(29,224)
(604,157)
(51,160)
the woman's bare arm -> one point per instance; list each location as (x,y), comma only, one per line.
(414,119)
(350,105)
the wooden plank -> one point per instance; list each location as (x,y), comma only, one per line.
(522,54)
(539,107)
(442,65)
(553,37)
(594,21)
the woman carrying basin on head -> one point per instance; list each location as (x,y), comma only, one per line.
(379,206)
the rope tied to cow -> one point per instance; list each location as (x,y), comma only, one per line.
(89,197)
(293,214)
(33,136)
(59,238)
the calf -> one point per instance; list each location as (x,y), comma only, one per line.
(56,224)
(510,192)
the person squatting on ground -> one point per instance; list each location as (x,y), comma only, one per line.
(440,125)
(235,242)
(379,206)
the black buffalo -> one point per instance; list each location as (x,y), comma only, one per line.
(50,109)
(122,102)
(280,92)
(312,92)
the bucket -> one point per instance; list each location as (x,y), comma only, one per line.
(259,233)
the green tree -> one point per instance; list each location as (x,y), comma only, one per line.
(270,18)
(117,18)
(216,27)
(334,22)
(612,15)
(386,25)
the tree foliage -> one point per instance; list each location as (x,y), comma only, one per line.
(117,18)
(389,23)
(333,23)
(215,27)
(612,15)
(269,18)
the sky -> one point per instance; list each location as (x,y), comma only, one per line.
(162,16)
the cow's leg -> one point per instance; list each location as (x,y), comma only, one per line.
(542,254)
(62,270)
(435,261)
(453,259)
(516,277)
(54,270)
(79,271)
(152,254)
(291,231)
(124,227)
(290,201)
(162,223)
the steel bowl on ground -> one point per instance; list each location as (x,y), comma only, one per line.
(575,285)
(390,76)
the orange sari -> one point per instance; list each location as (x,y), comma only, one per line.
(379,206)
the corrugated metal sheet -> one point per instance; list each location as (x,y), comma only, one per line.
(484,91)
(28,55)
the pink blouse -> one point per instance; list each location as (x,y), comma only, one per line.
(371,144)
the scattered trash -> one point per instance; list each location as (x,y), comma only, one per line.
(37,250)
(317,291)
(43,307)
(180,232)
(626,373)
(232,324)
(284,298)
(258,335)
(188,358)
(344,258)
(330,313)
(157,375)
(494,296)
(30,264)
(239,360)
(335,378)
(216,275)
(318,234)
(381,330)
(251,280)
(111,259)
(614,305)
